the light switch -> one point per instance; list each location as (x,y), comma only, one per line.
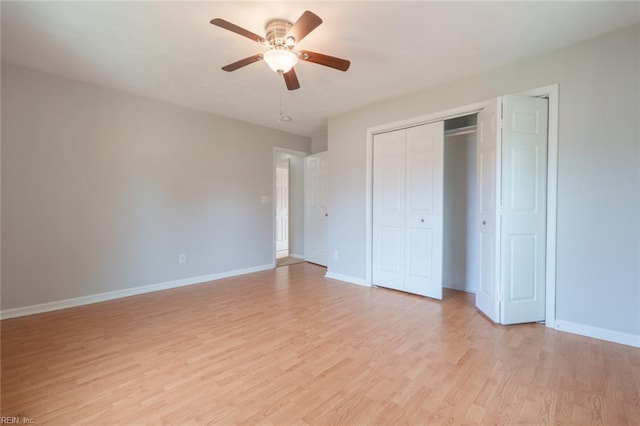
(264,199)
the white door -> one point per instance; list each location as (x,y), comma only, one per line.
(512,164)
(524,207)
(407,209)
(389,209)
(488,181)
(316,213)
(424,209)
(282,206)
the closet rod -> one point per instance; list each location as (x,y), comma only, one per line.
(461,131)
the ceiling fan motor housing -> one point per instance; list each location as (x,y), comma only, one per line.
(276,34)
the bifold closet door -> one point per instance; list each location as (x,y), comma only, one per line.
(408,209)
(389,209)
(524,209)
(488,157)
(512,173)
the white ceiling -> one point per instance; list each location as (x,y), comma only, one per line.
(169,51)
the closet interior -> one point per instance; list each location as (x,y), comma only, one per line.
(460,263)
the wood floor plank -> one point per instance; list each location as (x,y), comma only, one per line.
(289,346)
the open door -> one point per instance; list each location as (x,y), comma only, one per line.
(512,171)
(316,178)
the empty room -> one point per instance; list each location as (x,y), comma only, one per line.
(320,212)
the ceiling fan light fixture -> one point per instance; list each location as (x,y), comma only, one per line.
(281,38)
(280,60)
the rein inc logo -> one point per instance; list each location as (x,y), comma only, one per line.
(16,420)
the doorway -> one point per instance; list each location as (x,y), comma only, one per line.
(459,269)
(549,92)
(282,208)
(288,206)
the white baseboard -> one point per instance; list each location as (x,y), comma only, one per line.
(110,295)
(598,333)
(347,279)
(296,256)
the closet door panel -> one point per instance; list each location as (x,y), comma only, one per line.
(488,181)
(420,242)
(389,209)
(424,209)
(390,250)
(524,199)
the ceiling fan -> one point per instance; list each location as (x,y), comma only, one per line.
(281,39)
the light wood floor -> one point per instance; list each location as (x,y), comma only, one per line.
(288,346)
(287,260)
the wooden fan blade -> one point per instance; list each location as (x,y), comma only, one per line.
(326,60)
(238,30)
(306,23)
(242,62)
(291,79)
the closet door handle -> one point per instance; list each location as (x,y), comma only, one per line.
(484,222)
(421,220)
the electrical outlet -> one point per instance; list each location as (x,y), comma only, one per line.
(182,258)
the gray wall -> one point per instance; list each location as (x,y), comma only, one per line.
(319,141)
(296,202)
(103,190)
(598,240)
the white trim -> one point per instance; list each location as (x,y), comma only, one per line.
(347,279)
(117,294)
(296,256)
(371,131)
(598,333)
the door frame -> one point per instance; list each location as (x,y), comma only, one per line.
(552,93)
(274,164)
